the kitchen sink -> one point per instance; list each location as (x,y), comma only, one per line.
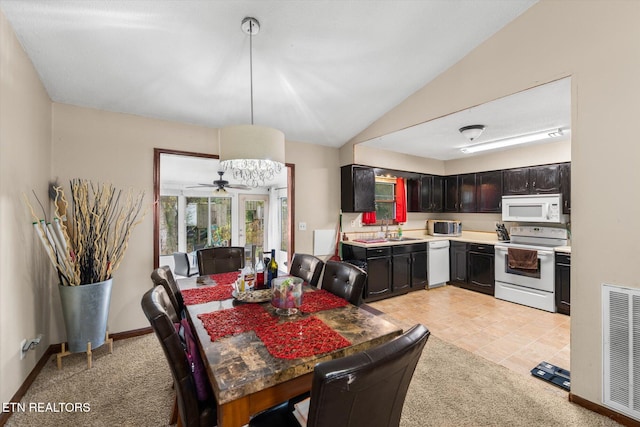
(401,239)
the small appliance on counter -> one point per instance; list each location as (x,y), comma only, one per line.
(441,227)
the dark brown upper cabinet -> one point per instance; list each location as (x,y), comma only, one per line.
(545,179)
(431,193)
(516,181)
(357,188)
(489,187)
(460,193)
(532,180)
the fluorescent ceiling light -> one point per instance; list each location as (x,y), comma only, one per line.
(516,140)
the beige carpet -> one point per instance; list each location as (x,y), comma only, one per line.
(451,387)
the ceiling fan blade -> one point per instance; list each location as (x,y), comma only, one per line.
(201,186)
(238,186)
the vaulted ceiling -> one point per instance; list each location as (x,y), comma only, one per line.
(323,70)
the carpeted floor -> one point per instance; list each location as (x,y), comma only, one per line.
(451,387)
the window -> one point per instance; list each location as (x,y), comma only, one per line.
(168,225)
(208,221)
(385,199)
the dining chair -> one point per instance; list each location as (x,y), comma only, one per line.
(345,280)
(366,389)
(192,412)
(183,265)
(221,259)
(307,267)
(163,276)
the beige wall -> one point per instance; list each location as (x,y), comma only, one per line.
(596,43)
(118,148)
(26,284)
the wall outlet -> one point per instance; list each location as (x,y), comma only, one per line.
(22,352)
(302,226)
(354,223)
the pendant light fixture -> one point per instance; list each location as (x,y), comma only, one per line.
(252,154)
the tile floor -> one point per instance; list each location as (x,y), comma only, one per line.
(509,334)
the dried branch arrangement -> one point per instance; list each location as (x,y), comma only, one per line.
(87,245)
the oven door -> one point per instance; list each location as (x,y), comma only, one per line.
(541,278)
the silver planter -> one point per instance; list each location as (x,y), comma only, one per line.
(86,310)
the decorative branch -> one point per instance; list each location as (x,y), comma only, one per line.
(93,239)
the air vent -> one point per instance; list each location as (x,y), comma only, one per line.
(621,339)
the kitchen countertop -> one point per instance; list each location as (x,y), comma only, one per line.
(420,237)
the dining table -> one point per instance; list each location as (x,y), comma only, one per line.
(256,359)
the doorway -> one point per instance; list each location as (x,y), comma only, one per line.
(191,213)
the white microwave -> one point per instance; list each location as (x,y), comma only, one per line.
(532,208)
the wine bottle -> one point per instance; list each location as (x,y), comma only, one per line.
(260,272)
(272,268)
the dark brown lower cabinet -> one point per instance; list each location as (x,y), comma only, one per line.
(563,283)
(481,268)
(472,266)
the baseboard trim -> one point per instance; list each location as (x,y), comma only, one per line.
(51,350)
(602,410)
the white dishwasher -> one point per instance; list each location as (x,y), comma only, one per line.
(437,263)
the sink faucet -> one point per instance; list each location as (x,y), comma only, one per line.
(386,230)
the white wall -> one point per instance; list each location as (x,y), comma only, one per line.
(596,43)
(27,288)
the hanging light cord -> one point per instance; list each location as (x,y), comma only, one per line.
(251,65)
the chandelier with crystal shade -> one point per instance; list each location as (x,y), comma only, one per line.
(252,154)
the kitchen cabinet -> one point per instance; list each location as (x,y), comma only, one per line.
(489,187)
(481,268)
(401,268)
(460,193)
(565,187)
(563,283)
(472,266)
(378,265)
(431,193)
(424,194)
(413,195)
(409,264)
(357,185)
(458,252)
(543,179)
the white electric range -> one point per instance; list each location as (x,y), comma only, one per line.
(533,287)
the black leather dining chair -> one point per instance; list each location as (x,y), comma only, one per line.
(345,280)
(192,412)
(162,276)
(307,267)
(366,389)
(221,259)
(182,265)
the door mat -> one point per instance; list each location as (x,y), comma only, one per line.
(553,374)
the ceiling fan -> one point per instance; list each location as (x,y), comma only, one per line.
(221,184)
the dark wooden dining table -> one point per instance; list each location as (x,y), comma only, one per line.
(247,379)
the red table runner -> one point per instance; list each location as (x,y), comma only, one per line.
(286,340)
(301,338)
(320,300)
(220,290)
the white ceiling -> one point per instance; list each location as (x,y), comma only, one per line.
(323,70)
(537,109)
